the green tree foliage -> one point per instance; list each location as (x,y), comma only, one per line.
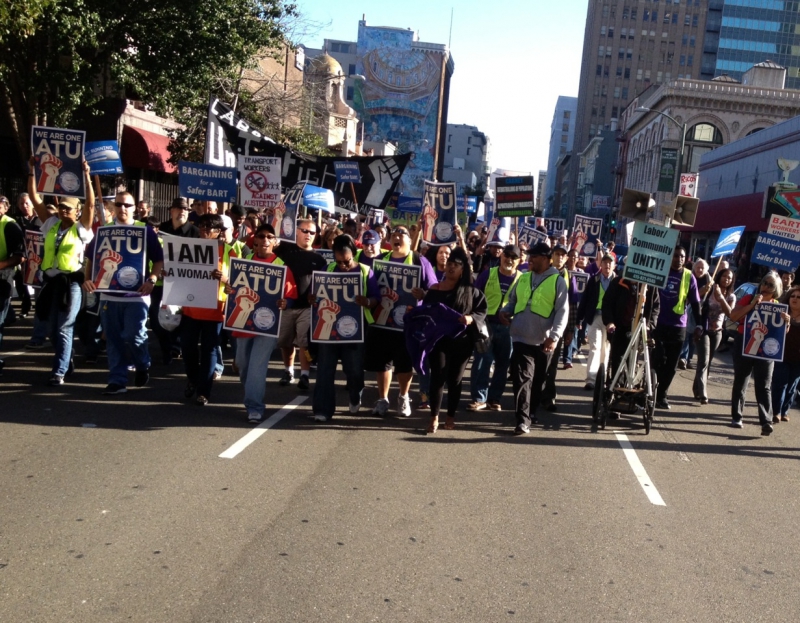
(59,55)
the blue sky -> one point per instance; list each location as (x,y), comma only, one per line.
(512,61)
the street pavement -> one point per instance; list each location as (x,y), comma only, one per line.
(121,508)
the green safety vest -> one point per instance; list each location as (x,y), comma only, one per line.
(683,292)
(68,257)
(602,294)
(4,220)
(277,261)
(364,275)
(542,299)
(409,258)
(495,299)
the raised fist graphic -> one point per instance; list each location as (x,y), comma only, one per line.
(428,219)
(277,216)
(246,299)
(757,335)
(492,229)
(578,240)
(109,263)
(327,312)
(388,298)
(385,172)
(32,267)
(50,166)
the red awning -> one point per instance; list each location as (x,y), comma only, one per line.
(718,214)
(145,150)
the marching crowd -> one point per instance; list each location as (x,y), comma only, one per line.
(517,312)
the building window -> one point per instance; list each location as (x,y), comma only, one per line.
(599,71)
(645,15)
(602,31)
(691,42)
(647,75)
(639,73)
(567,114)
(468,149)
(562,150)
(682,62)
(627,73)
(601,51)
(625,93)
(689,60)
(604,90)
(605,11)
(469,140)
(615,113)
(625,13)
(685,40)
(667,17)
(448,148)
(616,92)
(621,53)
(351,69)
(695,19)
(629,54)
(350,93)
(687,20)
(659,76)
(564,138)
(674,18)
(654,16)
(619,71)
(634,13)
(605,71)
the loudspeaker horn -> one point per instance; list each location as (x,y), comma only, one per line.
(683,210)
(636,204)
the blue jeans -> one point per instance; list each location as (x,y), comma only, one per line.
(785,378)
(62,329)
(199,341)
(571,348)
(126,338)
(252,358)
(352,357)
(687,351)
(500,353)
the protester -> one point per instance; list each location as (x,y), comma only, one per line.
(495,284)
(28,221)
(786,373)
(12,253)
(787,281)
(65,239)
(296,321)
(571,346)
(124,315)
(143,211)
(590,316)
(715,308)
(703,278)
(370,249)
(537,311)
(769,291)
(351,355)
(253,352)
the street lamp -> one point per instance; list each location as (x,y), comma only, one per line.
(682,126)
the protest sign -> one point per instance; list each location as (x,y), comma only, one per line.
(586,236)
(765,332)
(207,182)
(347,172)
(439,213)
(119,258)
(554,225)
(468,204)
(728,240)
(336,317)
(260,182)
(58,160)
(690,182)
(784,227)
(285,216)
(327,254)
(103,157)
(375,217)
(228,136)
(528,235)
(514,196)
(777,252)
(580,279)
(253,306)
(188,263)
(34,252)
(650,255)
(396,282)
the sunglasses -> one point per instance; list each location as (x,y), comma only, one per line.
(265,237)
(120,204)
(65,208)
(402,232)
(771,286)
(208,228)
(344,262)
(308,232)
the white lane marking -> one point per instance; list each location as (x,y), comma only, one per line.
(262,428)
(638,470)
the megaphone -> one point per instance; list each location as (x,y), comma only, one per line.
(683,211)
(636,204)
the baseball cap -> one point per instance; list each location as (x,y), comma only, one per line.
(71,202)
(180,202)
(559,247)
(512,249)
(371,237)
(540,248)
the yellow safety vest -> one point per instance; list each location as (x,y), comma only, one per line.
(4,220)
(409,258)
(602,294)
(364,275)
(542,299)
(495,299)
(68,257)
(683,292)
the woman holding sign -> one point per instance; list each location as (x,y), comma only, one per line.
(716,306)
(786,375)
(769,291)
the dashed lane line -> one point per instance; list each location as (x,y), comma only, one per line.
(262,428)
(638,470)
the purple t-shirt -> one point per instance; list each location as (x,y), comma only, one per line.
(669,297)
(505,284)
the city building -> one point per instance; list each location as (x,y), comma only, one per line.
(596,176)
(540,190)
(466,154)
(332,118)
(562,135)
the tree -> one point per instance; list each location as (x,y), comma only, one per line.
(57,56)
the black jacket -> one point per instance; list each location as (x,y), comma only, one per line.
(619,304)
(588,305)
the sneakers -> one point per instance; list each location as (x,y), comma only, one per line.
(302,384)
(568,365)
(201,401)
(56,380)
(253,417)
(114,388)
(142,378)
(663,404)
(354,408)
(320,418)
(588,386)
(476,406)
(737,424)
(404,405)
(34,345)
(424,403)
(495,406)
(217,376)
(766,430)
(286,379)
(381,408)
(522,429)
(682,364)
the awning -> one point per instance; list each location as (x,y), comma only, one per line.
(145,150)
(715,215)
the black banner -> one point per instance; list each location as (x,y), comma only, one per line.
(229,136)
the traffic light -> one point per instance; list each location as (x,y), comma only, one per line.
(613,222)
(612,231)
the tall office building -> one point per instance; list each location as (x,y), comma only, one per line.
(562,135)
(466,158)
(743,33)
(627,47)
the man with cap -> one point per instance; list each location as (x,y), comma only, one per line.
(495,284)
(590,315)
(12,251)
(65,239)
(537,312)
(370,247)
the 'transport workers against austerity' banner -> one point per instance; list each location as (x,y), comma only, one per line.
(229,136)
(439,213)
(396,282)
(118,264)
(260,182)
(58,158)
(34,252)
(765,332)
(252,307)
(188,263)
(335,316)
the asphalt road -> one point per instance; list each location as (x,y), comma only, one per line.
(121,509)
